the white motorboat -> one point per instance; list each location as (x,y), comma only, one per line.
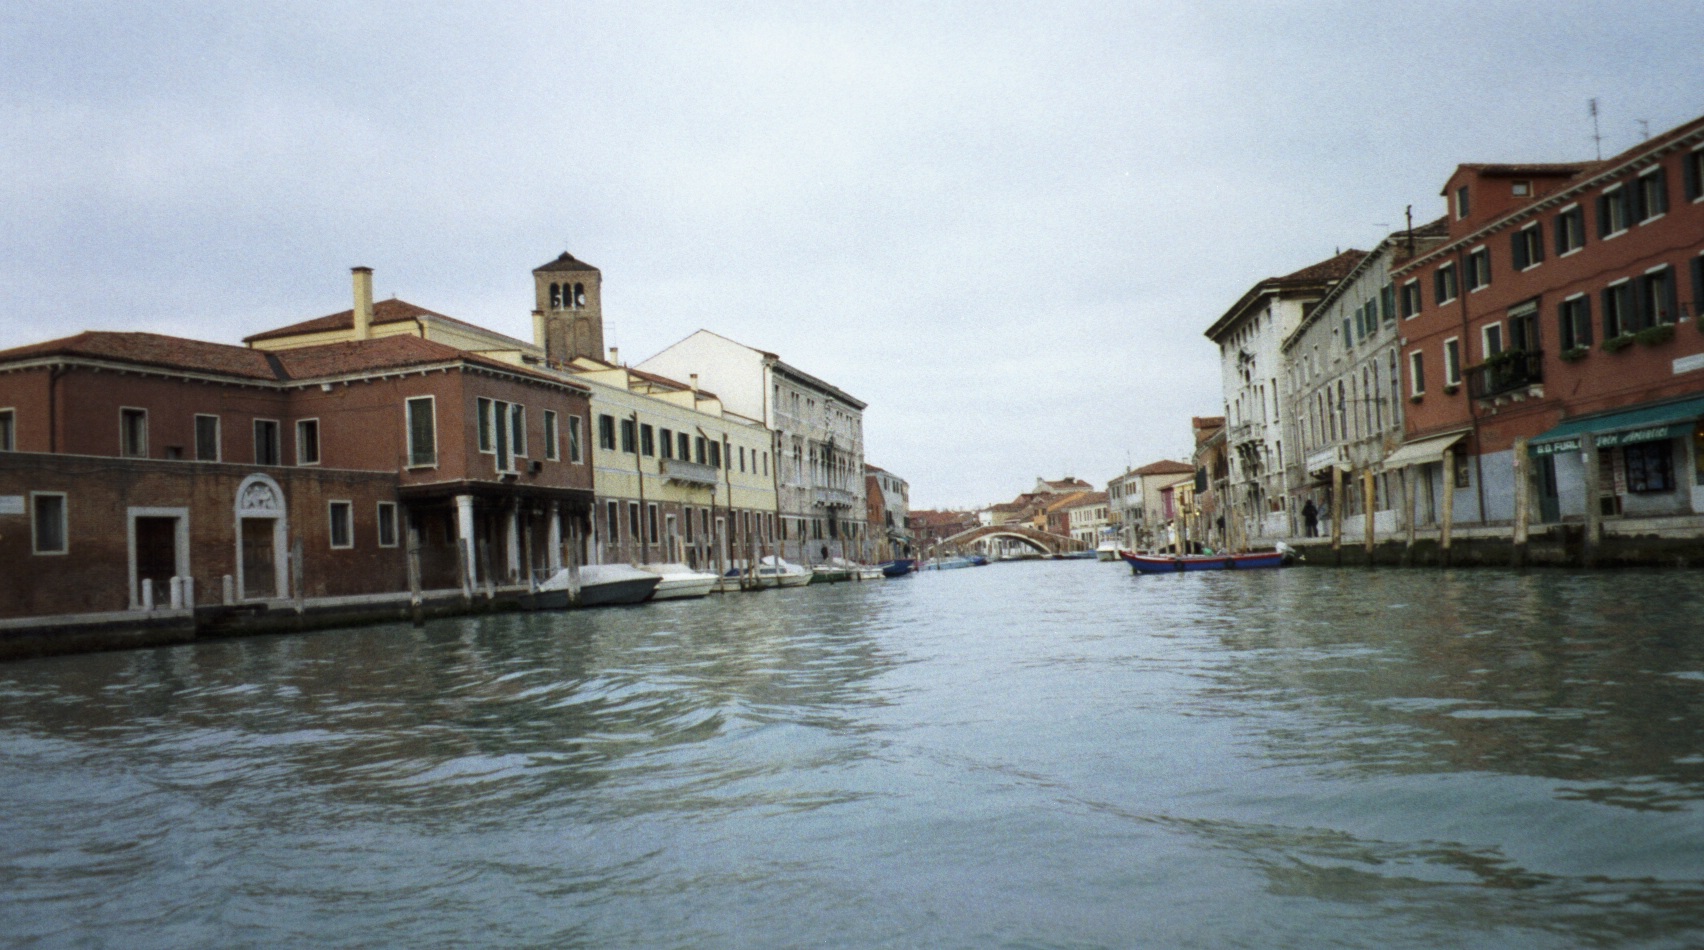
(601,585)
(679,581)
(773,571)
(870,572)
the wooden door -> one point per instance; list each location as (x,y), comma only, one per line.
(259,564)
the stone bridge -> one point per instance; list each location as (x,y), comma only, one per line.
(983,537)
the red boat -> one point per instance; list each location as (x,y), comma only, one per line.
(1170,564)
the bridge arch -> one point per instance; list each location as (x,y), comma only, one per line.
(984,537)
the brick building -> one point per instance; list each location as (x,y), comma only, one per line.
(1562,313)
(130,459)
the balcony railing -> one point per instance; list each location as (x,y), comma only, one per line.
(1505,372)
(833,498)
(689,473)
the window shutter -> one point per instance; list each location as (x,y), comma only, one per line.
(1438,286)
(1692,170)
(1659,193)
(1517,249)
(1537,244)
(1585,322)
(1634,192)
(1671,302)
(1556,223)
(1636,315)
(1608,312)
(1698,287)
(1603,215)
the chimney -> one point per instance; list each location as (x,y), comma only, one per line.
(694,379)
(540,337)
(363,302)
(615,355)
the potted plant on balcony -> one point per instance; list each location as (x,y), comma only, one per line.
(1655,336)
(1574,354)
(1616,344)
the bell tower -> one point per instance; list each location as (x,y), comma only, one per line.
(568,309)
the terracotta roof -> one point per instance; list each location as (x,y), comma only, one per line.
(1332,268)
(1166,467)
(358,356)
(566,263)
(1206,422)
(1091,498)
(154,349)
(221,359)
(1528,168)
(384,311)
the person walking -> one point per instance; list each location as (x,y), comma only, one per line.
(1310,518)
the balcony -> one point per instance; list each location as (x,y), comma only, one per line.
(834,498)
(690,473)
(1245,432)
(1506,372)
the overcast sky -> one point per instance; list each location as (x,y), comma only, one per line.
(1005,227)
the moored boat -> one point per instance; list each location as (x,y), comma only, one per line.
(1108,551)
(948,564)
(601,585)
(898,567)
(1170,564)
(871,572)
(833,571)
(774,571)
(679,581)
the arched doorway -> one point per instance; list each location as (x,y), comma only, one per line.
(262,536)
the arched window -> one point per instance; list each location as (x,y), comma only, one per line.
(579,295)
(555,296)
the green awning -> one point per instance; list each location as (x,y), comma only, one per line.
(1642,424)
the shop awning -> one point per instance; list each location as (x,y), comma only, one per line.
(1422,451)
(1640,424)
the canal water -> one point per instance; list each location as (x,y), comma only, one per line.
(1024,755)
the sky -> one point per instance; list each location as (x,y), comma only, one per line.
(1003,226)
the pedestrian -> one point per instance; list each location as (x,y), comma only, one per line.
(1310,517)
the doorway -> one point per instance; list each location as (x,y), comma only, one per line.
(1549,498)
(260,565)
(159,551)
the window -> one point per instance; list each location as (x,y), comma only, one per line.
(629,436)
(307,442)
(1523,328)
(1574,322)
(665,443)
(1650,466)
(742,458)
(766,464)
(698,450)
(48,523)
(1478,268)
(683,450)
(265,442)
(1652,195)
(133,433)
(647,440)
(1613,212)
(422,431)
(1452,362)
(1411,298)
(517,429)
(550,448)
(651,523)
(1692,174)
(486,442)
(1618,314)
(8,431)
(1416,374)
(342,532)
(612,520)
(1490,340)
(1527,247)
(1521,189)
(686,516)
(1461,204)
(633,520)
(1657,297)
(573,438)
(715,454)
(1387,302)
(606,432)
(206,438)
(1444,284)
(1570,230)
(1348,328)
(387,524)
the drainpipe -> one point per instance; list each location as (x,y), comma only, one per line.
(1472,410)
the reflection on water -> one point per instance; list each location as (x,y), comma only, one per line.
(1054,754)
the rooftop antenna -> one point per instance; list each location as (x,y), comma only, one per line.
(1408,213)
(1644,129)
(1591,107)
